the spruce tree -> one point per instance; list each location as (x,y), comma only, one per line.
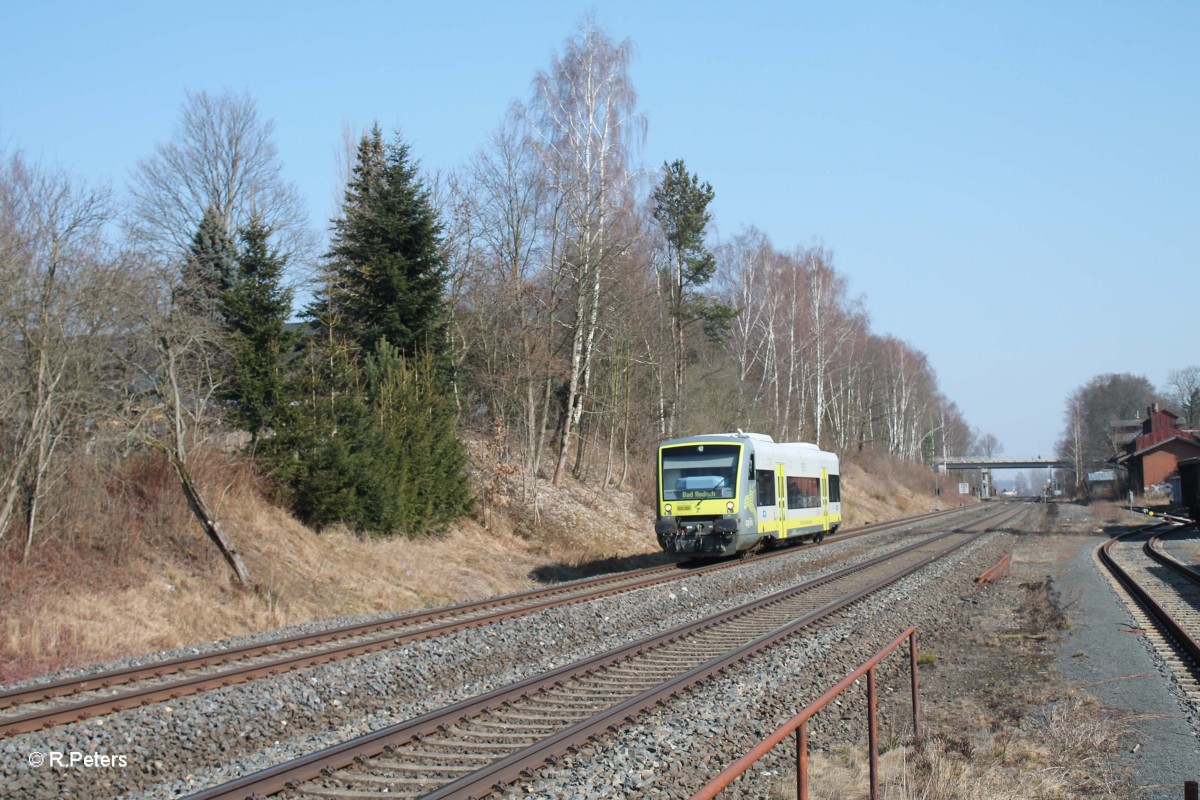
(386,263)
(418,429)
(256,309)
(210,269)
(334,468)
(376,447)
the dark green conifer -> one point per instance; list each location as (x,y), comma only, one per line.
(418,427)
(256,310)
(386,264)
(210,269)
(681,210)
(376,448)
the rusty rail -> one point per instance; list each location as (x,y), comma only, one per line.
(798,725)
(996,571)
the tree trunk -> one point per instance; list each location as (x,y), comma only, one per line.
(210,524)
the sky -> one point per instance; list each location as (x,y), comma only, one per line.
(1013,188)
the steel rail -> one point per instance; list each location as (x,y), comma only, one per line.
(1161,616)
(508,768)
(516,766)
(1155,548)
(158,669)
(488,611)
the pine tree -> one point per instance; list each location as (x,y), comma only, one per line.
(256,309)
(386,266)
(210,269)
(681,210)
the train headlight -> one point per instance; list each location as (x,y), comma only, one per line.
(667,508)
(729,506)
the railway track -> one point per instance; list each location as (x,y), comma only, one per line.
(475,746)
(66,701)
(1164,596)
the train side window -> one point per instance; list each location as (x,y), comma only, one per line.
(803,492)
(835,489)
(766,487)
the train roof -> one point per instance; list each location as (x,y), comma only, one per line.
(754,437)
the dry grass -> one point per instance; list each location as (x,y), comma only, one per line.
(1063,754)
(873,496)
(126,569)
(1042,607)
(140,575)
(1001,725)
(298,576)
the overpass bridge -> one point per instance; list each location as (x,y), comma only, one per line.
(986,465)
(972,462)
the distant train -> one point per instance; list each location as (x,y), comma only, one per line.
(726,493)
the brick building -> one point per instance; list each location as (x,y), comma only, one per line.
(1152,457)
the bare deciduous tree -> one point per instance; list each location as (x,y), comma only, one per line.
(987,446)
(57,286)
(502,242)
(832,322)
(171,391)
(222,158)
(222,162)
(1183,391)
(584,121)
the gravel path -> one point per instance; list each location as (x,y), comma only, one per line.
(1118,668)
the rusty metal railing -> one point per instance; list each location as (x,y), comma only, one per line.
(798,725)
(996,572)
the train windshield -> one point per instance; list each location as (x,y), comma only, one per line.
(699,471)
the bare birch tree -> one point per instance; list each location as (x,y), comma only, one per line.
(908,389)
(584,121)
(831,325)
(1071,446)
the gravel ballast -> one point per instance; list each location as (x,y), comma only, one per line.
(180,747)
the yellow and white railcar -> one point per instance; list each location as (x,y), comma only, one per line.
(724,493)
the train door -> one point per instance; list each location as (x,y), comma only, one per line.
(781,500)
(824,499)
(768,512)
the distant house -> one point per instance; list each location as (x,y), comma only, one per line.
(1102,484)
(1152,457)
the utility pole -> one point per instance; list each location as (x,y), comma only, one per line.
(937,486)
